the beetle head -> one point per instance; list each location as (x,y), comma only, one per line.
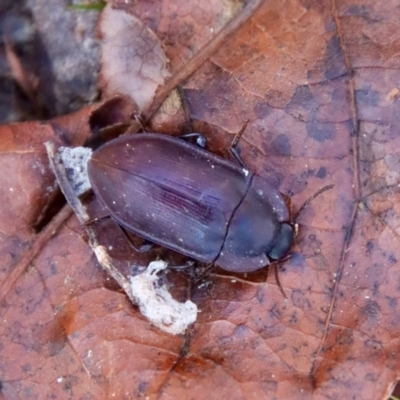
(283,241)
(288,231)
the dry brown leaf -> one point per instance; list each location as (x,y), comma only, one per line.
(318,86)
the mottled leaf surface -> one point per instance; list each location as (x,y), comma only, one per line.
(318,85)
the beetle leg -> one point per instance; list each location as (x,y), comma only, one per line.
(95,220)
(236,153)
(196,269)
(143,248)
(188,264)
(201,140)
(201,272)
(234,146)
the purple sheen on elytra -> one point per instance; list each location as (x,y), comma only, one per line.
(185,198)
(168,191)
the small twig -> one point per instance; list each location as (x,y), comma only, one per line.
(83,217)
(200,58)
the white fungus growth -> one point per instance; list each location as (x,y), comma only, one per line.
(156,303)
(75,161)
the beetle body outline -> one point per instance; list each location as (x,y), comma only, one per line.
(185,198)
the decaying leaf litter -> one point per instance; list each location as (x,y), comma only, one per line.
(317,111)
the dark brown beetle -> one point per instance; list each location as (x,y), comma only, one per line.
(185,198)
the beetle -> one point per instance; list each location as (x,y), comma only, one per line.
(183,197)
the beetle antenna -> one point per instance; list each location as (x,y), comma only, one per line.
(309,200)
(278,282)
